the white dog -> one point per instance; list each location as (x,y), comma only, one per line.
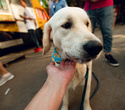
(70,31)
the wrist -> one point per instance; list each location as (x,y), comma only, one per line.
(55,94)
(56,84)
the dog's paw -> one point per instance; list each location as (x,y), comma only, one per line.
(64,107)
(87,107)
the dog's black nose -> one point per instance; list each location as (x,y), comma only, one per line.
(93,48)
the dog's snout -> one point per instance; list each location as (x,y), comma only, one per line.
(93,48)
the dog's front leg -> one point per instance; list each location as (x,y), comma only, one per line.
(65,100)
(86,104)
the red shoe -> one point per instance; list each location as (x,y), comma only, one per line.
(37,49)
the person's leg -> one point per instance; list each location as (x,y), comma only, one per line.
(2,69)
(5,75)
(34,38)
(106,21)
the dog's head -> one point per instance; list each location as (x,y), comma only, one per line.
(70,31)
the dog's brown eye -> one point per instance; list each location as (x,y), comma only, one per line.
(87,24)
(67,25)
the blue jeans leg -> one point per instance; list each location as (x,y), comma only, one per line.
(106,22)
(104,16)
(34,38)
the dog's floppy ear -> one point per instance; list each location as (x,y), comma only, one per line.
(46,38)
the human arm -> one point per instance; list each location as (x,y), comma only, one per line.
(19,20)
(22,20)
(51,94)
(28,18)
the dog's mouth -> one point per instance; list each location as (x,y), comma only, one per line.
(83,59)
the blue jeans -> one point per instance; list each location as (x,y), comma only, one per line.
(104,16)
(34,38)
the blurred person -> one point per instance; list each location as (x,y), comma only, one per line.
(6,76)
(102,11)
(51,94)
(57,5)
(29,20)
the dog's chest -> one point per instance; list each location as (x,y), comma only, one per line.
(79,76)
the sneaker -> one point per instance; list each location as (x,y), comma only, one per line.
(37,49)
(3,80)
(111,60)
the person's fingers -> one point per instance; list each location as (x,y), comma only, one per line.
(68,63)
(62,64)
(52,63)
(71,64)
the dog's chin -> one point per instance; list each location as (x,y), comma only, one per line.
(80,60)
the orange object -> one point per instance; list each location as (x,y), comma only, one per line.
(41,14)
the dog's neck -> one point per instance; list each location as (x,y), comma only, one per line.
(56,57)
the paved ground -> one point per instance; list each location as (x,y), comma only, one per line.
(30,75)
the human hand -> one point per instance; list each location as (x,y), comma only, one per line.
(19,20)
(63,74)
(51,94)
(21,16)
(15,19)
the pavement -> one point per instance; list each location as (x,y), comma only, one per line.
(30,75)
